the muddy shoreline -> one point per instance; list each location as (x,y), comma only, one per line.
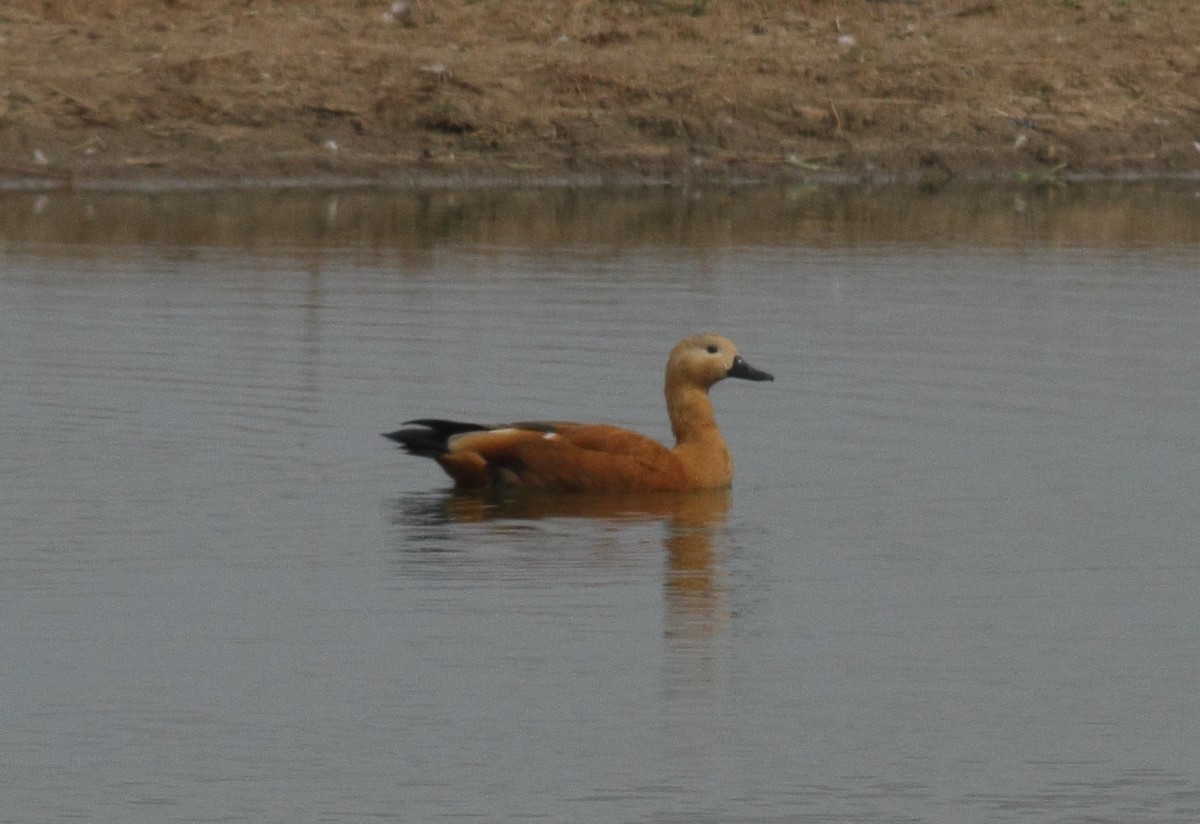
(351,93)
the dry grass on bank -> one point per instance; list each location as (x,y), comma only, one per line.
(611,87)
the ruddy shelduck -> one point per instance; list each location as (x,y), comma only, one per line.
(556,456)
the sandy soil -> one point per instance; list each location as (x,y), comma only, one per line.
(614,90)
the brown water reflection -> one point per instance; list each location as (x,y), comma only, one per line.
(368,221)
(693,593)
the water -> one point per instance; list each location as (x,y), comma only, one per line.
(955,579)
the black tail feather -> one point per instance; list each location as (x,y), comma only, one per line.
(429,437)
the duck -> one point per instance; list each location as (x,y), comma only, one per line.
(561,456)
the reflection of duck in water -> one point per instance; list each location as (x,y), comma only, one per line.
(702,509)
(556,456)
(691,539)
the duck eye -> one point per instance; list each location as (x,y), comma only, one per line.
(712,349)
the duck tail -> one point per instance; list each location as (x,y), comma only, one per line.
(430,437)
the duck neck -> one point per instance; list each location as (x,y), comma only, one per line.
(691,413)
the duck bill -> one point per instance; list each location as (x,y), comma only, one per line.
(746,372)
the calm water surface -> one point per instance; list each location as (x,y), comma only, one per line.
(955,580)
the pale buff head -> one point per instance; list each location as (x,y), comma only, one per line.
(702,360)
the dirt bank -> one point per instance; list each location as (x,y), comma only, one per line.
(224,90)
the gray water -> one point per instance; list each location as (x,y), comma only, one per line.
(956,579)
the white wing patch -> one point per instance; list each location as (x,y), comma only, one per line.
(475,433)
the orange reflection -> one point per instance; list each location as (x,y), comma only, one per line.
(692,586)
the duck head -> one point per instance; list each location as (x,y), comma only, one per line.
(702,360)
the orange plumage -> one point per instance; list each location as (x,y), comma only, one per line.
(587,457)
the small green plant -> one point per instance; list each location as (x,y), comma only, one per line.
(1044,177)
